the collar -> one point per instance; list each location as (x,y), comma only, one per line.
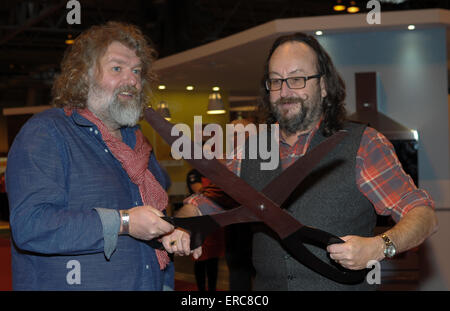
(82,121)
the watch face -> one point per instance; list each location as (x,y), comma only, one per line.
(390,251)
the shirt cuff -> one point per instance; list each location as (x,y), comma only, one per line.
(418,197)
(110,219)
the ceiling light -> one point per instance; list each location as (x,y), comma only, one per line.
(69,39)
(161,87)
(215,104)
(216,111)
(319,33)
(353,8)
(411,27)
(216,88)
(339,6)
(189,87)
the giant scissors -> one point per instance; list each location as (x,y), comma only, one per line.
(263,206)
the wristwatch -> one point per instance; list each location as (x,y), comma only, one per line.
(389,249)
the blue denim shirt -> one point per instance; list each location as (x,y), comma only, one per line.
(65,189)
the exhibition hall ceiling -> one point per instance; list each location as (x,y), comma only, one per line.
(33,33)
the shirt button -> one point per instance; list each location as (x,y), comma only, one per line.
(91,129)
(96,132)
(146,267)
(287,256)
(136,203)
(106,150)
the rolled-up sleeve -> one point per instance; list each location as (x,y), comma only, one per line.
(111,225)
(381,178)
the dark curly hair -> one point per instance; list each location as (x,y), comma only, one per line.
(70,88)
(333,104)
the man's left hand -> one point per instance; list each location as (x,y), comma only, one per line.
(178,242)
(357,251)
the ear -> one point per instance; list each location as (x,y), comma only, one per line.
(323,87)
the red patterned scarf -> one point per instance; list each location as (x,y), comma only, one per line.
(135,163)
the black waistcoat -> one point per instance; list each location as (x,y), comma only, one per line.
(327,199)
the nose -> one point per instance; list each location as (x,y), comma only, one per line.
(285,91)
(132,79)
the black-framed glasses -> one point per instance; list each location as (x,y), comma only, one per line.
(291,82)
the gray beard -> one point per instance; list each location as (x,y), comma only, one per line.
(112,110)
(302,121)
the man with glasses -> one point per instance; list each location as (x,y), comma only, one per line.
(361,177)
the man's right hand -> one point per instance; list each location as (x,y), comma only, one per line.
(146,223)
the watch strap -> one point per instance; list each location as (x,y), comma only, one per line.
(125,222)
(387,244)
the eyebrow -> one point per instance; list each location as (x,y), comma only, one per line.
(121,62)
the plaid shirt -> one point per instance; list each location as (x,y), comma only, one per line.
(379,175)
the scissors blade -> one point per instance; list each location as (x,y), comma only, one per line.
(259,204)
(282,186)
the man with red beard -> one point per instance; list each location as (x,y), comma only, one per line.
(86,192)
(361,177)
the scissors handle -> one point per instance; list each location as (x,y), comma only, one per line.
(155,244)
(293,243)
(158,245)
(200,227)
(321,239)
